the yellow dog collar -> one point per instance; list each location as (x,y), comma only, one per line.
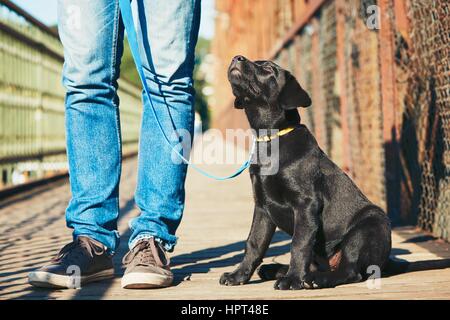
(277,135)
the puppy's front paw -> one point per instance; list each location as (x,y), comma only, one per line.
(234,278)
(314,280)
(289,282)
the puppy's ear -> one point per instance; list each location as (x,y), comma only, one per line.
(292,95)
(238,103)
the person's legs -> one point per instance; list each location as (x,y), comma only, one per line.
(169,31)
(92,36)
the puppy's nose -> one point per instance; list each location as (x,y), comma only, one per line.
(239,58)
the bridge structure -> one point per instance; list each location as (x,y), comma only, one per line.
(34,189)
(377,73)
(32,140)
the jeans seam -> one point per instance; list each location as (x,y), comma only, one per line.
(193,38)
(113,76)
(114,45)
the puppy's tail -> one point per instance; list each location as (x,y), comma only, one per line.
(394,267)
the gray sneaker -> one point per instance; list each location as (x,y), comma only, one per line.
(82,261)
(147,266)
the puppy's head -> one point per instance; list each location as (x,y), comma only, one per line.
(269,94)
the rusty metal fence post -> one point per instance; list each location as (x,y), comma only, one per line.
(389,106)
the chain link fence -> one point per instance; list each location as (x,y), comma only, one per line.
(425,105)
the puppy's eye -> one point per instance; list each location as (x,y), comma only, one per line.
(275,71)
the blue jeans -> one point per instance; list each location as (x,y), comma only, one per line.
(92,34)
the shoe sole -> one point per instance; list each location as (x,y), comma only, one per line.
(44,279)
(140,280)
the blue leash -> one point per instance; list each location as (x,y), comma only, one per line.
(127,17)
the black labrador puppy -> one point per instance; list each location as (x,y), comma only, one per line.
(337,233)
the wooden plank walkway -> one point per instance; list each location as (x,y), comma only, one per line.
(216,223)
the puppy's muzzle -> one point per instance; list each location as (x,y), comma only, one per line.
(235,71)
(236,63)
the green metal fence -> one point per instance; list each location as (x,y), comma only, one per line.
(32,99)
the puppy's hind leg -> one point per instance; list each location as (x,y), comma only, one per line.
(272,271)
(331,279)
(367,244)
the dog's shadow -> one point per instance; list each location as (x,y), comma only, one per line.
(202,261)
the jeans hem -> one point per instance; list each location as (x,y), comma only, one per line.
(108,250)
(166,245)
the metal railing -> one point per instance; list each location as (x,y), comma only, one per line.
(32,99)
